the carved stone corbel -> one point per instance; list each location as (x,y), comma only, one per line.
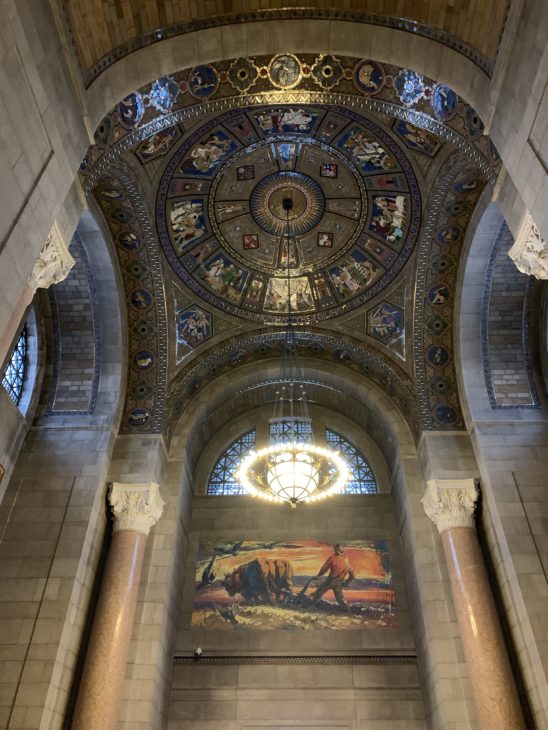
(53,264)
(530,250)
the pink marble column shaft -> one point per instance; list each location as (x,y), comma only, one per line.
(136,508)
(493,685)
(450,504)
(106,659)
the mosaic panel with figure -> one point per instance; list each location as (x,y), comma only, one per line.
(353,222)
(297,584)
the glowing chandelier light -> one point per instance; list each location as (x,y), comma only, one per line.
(292,469)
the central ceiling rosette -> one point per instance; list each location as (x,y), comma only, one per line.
(353,224)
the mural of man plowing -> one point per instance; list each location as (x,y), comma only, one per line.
(293,585)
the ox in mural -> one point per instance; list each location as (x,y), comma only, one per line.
(293,585)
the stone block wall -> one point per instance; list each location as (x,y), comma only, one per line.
(309,697)
(52,520)
(76,338)
(505,329)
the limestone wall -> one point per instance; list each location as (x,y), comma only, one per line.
(43,141)
(312,695)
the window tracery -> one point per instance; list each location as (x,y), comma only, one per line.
(362,480)
(14,374)
(222,480)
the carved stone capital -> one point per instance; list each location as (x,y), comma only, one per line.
(451,502)
(53,264)
(530,250)
(135,506)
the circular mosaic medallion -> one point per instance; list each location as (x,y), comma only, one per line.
(369,77)
(352,223)
(444,102)
(267,203)
(285,71)
(203,81)
(131,110)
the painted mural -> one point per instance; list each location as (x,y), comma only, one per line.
(293,585)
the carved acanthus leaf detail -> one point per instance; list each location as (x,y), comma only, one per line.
(53,264)
(530,250)
(451,502)
(135,506)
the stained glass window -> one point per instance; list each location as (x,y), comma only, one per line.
(14,375)
(361,480)
(222,479)
(287,430)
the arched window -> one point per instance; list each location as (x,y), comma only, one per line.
(14,374)
(285,430)
(361,480)
(222,479)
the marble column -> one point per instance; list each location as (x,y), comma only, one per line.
(450,504)
(136,508)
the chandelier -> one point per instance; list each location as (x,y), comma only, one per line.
(292,468)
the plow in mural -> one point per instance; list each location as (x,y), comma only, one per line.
(293,585)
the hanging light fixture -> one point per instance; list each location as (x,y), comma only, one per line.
(292,468)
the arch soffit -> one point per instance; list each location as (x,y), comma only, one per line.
(91,327)
(321,351)
(482,249)
(329,385)
(210,45)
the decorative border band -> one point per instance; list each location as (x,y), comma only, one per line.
(296,660)
(409,26)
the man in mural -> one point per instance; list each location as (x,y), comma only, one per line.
(340,574)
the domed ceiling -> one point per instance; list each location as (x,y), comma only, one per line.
(383,168)
(354,219)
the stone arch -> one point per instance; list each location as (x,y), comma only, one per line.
(68,489)
(329,384)
(372,409)
(495,324)
(493,311)
(320,350)
(209,45)
(86,352)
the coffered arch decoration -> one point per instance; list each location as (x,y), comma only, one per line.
(451,205)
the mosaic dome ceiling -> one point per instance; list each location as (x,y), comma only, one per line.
(190,173)
(353,224)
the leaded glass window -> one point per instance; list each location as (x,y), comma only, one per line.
(14,375)
(361,480)
(287,430)
(222,480)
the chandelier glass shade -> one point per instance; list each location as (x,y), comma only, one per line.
(293,468)
(293,472)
